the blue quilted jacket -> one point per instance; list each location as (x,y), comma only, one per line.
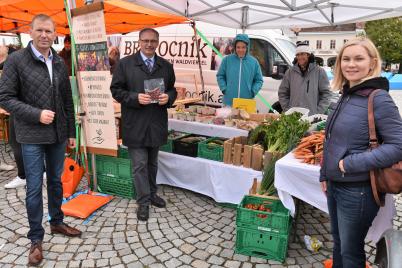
(347,135)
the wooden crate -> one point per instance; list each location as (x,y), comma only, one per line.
(238,153)
(263,117)
(255,188)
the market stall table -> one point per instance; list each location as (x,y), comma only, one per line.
(293,178)
(222,182)
(206,129)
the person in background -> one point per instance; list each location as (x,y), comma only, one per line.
(144,124)
(114,57)
(347,160)
(3,56)
(65,53)
(40,98)
(239,74)
(20,179)
(305,84)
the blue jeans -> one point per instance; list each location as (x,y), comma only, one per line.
(352,209)
(34,156)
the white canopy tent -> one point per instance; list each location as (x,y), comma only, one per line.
(263,14)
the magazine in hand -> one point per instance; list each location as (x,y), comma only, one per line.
(154,88)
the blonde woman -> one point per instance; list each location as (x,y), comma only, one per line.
(347,161)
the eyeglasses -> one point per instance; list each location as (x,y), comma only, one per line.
(146,41)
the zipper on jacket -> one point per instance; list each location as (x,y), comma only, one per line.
(238,89)
(334,116)
(308,84)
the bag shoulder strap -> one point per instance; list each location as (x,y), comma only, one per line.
(373,144)
(371,123)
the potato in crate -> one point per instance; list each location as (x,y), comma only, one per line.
(188,145)
(211,149)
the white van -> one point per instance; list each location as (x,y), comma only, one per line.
(275,53)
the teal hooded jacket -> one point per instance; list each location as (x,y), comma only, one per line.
(239,77)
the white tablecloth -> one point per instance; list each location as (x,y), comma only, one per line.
(224,183)
(206,129)
(293,178)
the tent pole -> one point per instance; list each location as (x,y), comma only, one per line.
(244,18)
(81,137)
(199,63)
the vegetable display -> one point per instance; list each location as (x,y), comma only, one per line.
(279,137)
(285,133)
(310,149)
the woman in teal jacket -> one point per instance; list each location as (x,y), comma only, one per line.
(239,75)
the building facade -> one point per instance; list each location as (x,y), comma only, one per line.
(325,42)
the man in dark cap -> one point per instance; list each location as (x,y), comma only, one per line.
(305,84)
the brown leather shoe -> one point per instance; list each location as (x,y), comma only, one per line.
(35,256)
(64,229)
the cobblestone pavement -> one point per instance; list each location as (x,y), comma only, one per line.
(193,231)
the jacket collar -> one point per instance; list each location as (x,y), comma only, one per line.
(311,66)
(139,62)
(56,58)
(366,87)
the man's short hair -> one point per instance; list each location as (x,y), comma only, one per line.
(42,17)
(149,30)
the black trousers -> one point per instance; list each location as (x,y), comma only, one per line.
(16,149)
(145,167)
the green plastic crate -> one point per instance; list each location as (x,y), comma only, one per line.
(123,187)
(168,147)
(122,152)
(113,167)
(113,176)
(277,221)
(211,152)
(261,244)
(228,205)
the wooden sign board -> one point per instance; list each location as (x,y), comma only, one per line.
(99,127)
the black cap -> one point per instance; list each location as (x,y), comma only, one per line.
(67,38)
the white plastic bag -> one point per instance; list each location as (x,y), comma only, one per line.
(303,111)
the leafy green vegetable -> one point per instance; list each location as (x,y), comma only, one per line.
(267,184)
(257,135)
(281,136)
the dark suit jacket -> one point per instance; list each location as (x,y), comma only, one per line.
(142,125)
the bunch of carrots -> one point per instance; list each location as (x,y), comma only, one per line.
(310,148)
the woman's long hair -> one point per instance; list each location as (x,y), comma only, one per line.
(339,80)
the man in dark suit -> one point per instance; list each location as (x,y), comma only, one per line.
(144,123)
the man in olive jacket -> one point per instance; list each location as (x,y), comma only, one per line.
(35,88)
(144,124)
